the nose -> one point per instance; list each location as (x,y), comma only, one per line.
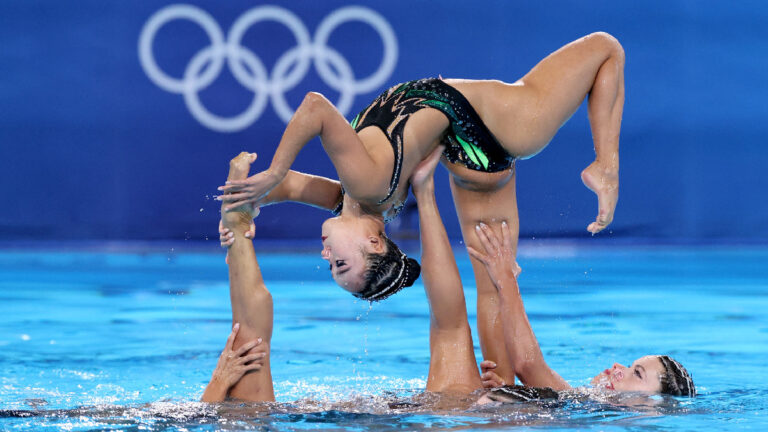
(618,371)
(326,254)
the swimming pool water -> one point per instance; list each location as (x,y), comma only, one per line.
(127,341)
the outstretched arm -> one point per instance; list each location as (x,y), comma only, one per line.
(316,116)
(453,366)
(522,347)
(251,301)
(312,190)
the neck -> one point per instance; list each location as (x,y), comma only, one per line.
(353,208)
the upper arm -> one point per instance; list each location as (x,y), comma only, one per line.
(359,171)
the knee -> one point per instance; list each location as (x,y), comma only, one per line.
(605,41)
(314,101)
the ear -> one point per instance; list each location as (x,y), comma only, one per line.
(376,244)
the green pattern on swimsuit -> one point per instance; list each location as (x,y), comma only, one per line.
(402,87)
(354,121)
(473,152)
(447,109)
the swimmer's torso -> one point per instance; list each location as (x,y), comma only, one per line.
(405,123)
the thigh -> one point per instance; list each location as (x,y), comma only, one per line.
(524,116)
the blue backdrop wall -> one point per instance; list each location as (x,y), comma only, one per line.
(99,142)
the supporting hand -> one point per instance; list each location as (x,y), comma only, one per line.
(489,376)
(233,364)
(423,177)
(249,191)
(498,256)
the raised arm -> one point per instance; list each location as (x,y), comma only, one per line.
(251,301)
(316,116)
(522,347)
(312,190)
(452,366)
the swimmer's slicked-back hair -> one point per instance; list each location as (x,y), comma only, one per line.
(387,273)
(676,380)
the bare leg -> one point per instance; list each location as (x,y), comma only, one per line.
(592,65)
(491,207)
(251,301)
(526,115)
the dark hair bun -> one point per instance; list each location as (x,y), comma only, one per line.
(414,270)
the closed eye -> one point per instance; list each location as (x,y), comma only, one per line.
(637,372)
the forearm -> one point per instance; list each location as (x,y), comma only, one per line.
(312,190)
(441,276)
(215,391)
(522,346)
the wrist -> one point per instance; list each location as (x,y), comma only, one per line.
(506,282)
(424,189)
(277,173)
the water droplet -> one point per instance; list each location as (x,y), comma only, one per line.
(25,337)
(201,209)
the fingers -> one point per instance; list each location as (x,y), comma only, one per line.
(487,365)
(252,358)
(491,379)
(242,182)
(237,204)
(226,238)
(247,347)
(494,239)
(506,236)
(252,367)
(477,255)
(231,338)
(229,188)
(484,240)
(232,196)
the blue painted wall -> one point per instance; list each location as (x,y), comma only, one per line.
(92,148)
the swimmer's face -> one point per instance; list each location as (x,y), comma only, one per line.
(346,242)
(644,375)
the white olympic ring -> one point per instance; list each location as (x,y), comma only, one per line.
(249,70)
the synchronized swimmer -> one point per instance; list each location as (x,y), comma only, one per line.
(484,125)
(478,129)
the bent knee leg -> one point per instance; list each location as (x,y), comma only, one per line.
(606,43)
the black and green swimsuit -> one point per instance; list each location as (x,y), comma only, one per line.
(467,140)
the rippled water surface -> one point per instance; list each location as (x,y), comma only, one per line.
(127,341)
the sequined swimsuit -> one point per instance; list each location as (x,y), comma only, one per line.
(467,141)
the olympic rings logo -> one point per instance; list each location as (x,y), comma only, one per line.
(250,71)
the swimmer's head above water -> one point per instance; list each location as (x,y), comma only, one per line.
(652,374)
(649,374)
(363,260)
